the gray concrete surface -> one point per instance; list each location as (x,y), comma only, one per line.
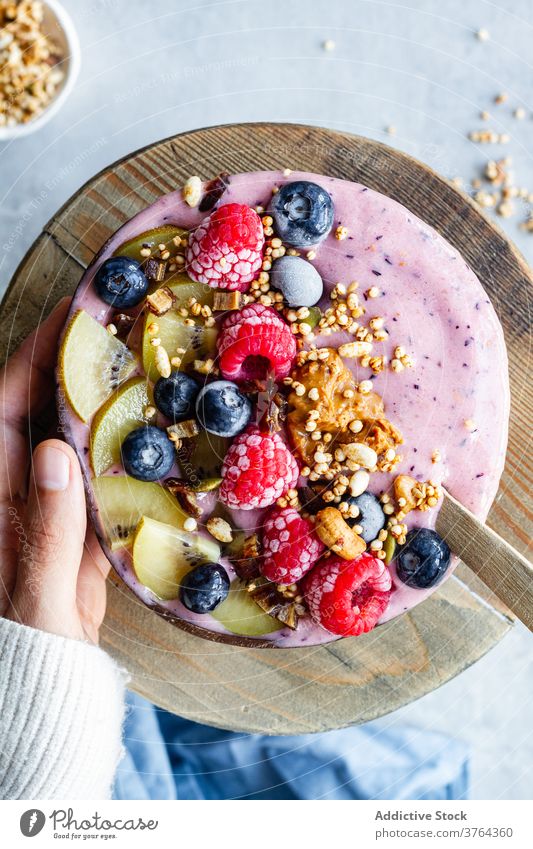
(153,69)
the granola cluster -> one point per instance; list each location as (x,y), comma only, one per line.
(30,72)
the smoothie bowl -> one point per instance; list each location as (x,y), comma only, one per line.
(267,379)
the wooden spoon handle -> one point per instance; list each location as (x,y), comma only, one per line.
(500,566)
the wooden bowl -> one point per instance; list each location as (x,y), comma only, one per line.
(352,680)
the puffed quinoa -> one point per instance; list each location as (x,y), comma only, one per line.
(365,387)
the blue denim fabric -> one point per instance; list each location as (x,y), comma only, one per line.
(173,758)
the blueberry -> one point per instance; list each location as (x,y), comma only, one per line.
(147,453)
(222,409)
(371,516)
(302,213)
(175,396)
(204,588)
(298,281)
(423,559)
(121,282)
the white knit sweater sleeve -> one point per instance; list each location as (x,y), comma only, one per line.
(61,713)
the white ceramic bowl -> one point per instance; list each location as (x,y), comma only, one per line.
(57,23)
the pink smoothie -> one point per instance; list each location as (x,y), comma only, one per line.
(433,305)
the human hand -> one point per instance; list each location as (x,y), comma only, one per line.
(52,575)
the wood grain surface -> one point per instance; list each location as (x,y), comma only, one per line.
(354,680)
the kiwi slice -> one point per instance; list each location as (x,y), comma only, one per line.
(92,364)
(162,556)
(202,460)
(151,239)
(241,615)
(123,501)
(184,288)
(120,414)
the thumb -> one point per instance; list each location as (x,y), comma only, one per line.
(51,549)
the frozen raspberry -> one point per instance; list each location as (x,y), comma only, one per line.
(347,597)
(257,470)
(226,249)
(290,546)
(254,341)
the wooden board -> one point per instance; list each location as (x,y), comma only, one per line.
(354,680)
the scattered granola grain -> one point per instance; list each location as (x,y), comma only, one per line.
(112,329)
(341,233)
(190,525)
(482,34)
(328,45)
(505,209)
